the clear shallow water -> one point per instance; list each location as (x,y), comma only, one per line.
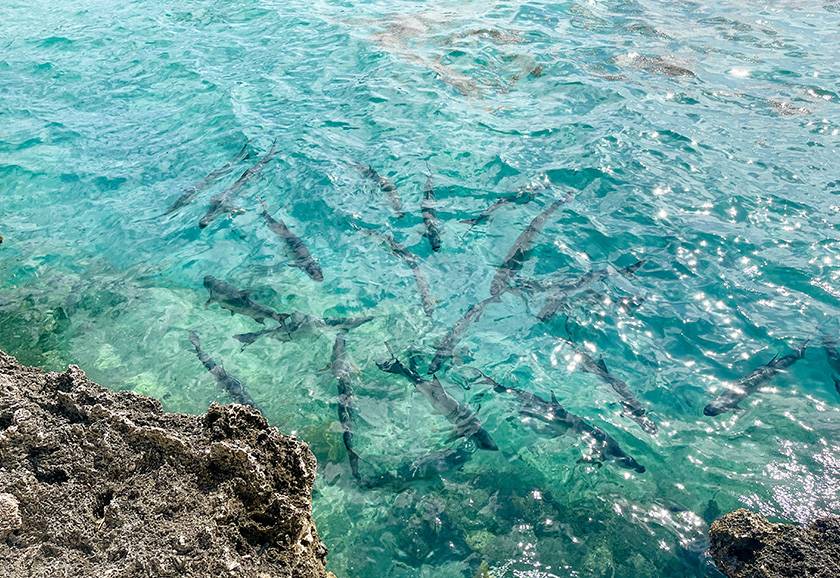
(725,182)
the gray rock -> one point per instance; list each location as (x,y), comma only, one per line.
(101,483)
(744,544)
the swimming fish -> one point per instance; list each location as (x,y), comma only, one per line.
(561,421)
(729,399)
(423,288)
(342,370)
(632,406)
(560,295)
(189,193)
(522,196)
(302,257)
(446,348)
(460,415)
(238,301)
(297,321)
(432,233)
(221,203)
(230,384)
(386,186)
(834,361)
(655,64)
(518,253)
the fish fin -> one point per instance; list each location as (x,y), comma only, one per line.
(207,303)
(772,361)
(554,399)
(602,365)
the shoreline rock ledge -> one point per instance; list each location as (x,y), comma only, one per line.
(101,483)
(744,544)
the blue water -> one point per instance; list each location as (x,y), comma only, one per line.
(701,138)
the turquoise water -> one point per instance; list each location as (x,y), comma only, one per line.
(701,138)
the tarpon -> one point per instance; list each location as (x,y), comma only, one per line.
(560,295)
(460,415)
(518,253)
(833,360)
(632,406)
(655,64)
(425,467)
(230,384)
(189,193)
(432,233)
(523,196)
(560,421)
(446,348)
(342,370)
(423,288)
(221,203)
(239,301)
(729,399)
(297,321)
(302,257)
(386,186)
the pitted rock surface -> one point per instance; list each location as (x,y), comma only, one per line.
(101,483)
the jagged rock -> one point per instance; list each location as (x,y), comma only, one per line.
(744,544)
(101,483)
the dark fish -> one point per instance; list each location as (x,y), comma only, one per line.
(342,370)
(230,384)
(446,348)
(387,187)
(298,321)
(189,193)
(561,294)
(729,400)
(221,203)
(302,256)
(561,421)
(238,301)
(834,361)
(632,406)
(425,467)
(413,262)
(523,196)
(518,253)
(460,415)
(432,233)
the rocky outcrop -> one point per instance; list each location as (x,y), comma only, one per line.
(744,544)
(101,483)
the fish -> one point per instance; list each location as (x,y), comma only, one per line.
(190,192)
(632,407)
(833,360)
(220,203)
(432,233)
(518,253)
(729,399)
(239,301)
(302,257)
(561,294)
(342,370)
(423,288)
(234,388)
(446,348)
(560,421)
(386,186)
(523,196)
(460,415)
(297,321)
(655,64)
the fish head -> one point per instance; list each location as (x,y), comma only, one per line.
(314,272)
(210,282)
(714,408)
(630,463)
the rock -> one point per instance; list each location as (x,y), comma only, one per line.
(101,483)
(744,544)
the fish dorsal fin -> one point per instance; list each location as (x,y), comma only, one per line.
(773,361)
(554,399)
(602,365)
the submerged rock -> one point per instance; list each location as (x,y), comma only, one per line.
(744,544)
(101,483)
